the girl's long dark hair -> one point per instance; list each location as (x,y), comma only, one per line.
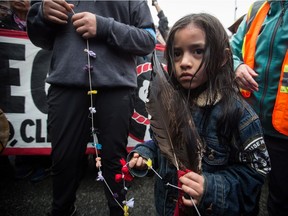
(217,64)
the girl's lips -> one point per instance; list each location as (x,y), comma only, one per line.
(186,76)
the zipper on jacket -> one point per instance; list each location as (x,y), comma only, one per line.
(279,23)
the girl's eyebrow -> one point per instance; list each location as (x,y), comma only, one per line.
(193,46)
(196,45)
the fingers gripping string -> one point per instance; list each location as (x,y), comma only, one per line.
(150,167)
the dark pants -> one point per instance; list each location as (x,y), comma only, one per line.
(278,177)
(69,125)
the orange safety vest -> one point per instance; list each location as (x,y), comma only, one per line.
(279,115)
(250,39)
(280,111)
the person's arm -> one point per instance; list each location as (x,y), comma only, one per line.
(163,20)
(163,25)
(236,43)
(43,19)
(244,74)
(156,5)
(139,38)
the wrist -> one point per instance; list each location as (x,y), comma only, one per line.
(154,2)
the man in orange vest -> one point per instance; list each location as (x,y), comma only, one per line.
(260,49)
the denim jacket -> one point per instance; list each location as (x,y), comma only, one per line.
(233,178)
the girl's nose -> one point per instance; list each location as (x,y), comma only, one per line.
(186,61)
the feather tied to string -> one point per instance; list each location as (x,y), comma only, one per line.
(171,121)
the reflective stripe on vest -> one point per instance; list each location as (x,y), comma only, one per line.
(280,112)
(279,115)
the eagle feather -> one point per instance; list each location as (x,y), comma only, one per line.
(171,121)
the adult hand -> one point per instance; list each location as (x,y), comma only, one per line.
(85,24)
(56,11)
(245,78)
(193,185)
(138,162)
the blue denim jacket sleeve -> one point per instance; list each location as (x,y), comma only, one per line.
(147,150)
(229,192)
(234,189)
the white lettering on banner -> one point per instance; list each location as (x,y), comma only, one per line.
(24,101)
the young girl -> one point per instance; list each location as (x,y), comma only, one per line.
(235,160)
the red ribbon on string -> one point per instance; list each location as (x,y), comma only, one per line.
(180,208)
(125,172)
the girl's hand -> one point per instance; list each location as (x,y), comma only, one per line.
(85,24)
(245,78)
(56,11)
(137,162)
(193,185)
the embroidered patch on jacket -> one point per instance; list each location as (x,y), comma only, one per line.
(256,155)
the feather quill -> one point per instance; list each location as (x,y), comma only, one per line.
(171,121)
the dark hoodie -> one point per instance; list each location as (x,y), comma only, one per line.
(124,29)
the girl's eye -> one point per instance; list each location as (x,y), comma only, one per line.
(177,54)
(199,51)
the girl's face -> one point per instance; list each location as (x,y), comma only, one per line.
(189,45)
